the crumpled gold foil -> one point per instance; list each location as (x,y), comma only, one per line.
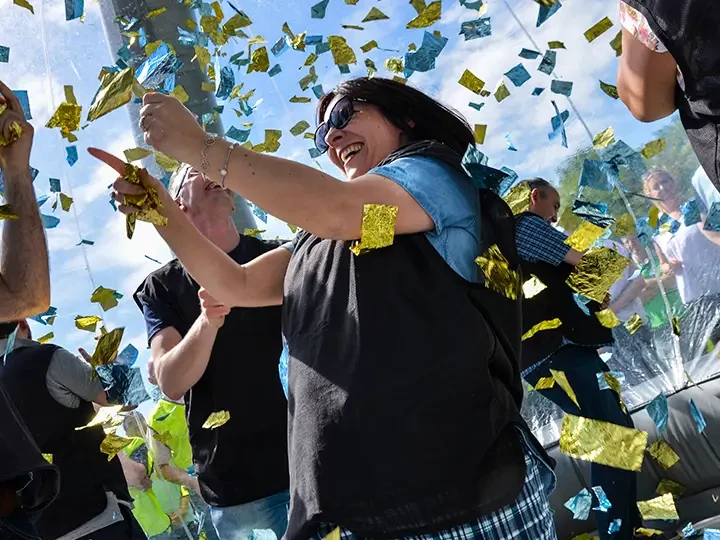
(533,286)
(105,416)
(48,458)
(603,442)
(642,531)
(87,322)
(394,64)
(608,318)
(539,327)
(378,228)
(136,154)
(563,383)
(604,138)
(216,419)
(499,276)
(112,444)
(165,437)
(625,225)
(271,143)
(662,507)
(427,17)
(663,453)
(104,297)
(634,323)
(253,232)
(670,486)
(615,385)
(596,272)
(259,61)
(342,53)
(6,212)
(166,162)
(676,326)
(545,383)
(584,236)
(148,203)
(653,216)
(518,199)
(115,91)
(47,337)
(106,349)
(16,131)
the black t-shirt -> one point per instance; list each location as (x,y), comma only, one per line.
(245,459)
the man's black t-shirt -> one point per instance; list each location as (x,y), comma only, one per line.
(245,459)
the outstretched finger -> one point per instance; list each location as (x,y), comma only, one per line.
(114,161)
(84,354)
(12,100)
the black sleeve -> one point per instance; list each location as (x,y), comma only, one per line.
(155,301)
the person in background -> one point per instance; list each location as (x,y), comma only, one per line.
(572,348)
(28,483)
(54,393)
(222,360)
(671,61)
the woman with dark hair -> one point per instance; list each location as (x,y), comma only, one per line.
(404,387)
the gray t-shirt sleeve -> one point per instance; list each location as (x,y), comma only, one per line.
(69,381)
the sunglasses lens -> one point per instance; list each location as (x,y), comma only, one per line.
(320,134)
(342,113)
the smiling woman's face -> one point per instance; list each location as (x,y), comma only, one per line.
(364,142)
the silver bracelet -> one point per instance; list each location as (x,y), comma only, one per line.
(205,165)
(224,170)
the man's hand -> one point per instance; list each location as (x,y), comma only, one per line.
(212,310)
(15,156)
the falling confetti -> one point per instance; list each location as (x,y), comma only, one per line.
(377,229)
(429,16)
(598,29)
(216,419)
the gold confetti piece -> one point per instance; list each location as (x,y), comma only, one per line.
(429,16)
(299,99)
(610,90)
(257,40)
(603,442)
(374,15)
(156,12)
(216,419)
(412,47)
(299,128)
(165,437)
(499,276)
(235,23)
(662,507)
(259,60)
(598,29)
(596,272)
(105,297)
(153,46)
(539,327)
(6,211)
(136,154)
(653,217)
(48,458)
(642,531)
(309,135)
(342,53)
(676,326)
(271,143)
(608,318)
(333,535)
(709,346)
(370,65)
(563,383)
(584,236)
(105,416)
(545,383)
(533,286)
(16,131)
(166,162)
(180,93)
(67,118)
(65,202)
(25,4)
(401,80)
(369,46)
(418,5)
(616,44)
(556,45)
(378,228)
(653,148)
(115,91)
(615,385)
(70,94)
(253,232)
(394,64)
(670,486)
(148,202)
(583,536)
(210,25)
(207,87)
(203,57)
(501,91)
(107,346)
(471,82)
(663,453)
(634,323)
(625,225)
(604,138)
(112,444)
(47,337)
(310,78)
(485,93)
(518,199)
(87,322)
(351,2)
(311,59)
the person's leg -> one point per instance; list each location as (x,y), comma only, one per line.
(239,522)
(581,366)
(17,526)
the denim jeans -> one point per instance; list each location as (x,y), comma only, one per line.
(581,366)
(258,519)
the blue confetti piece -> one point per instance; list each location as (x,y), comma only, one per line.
(42,317)
(314,153)
(86,242)
(476,106)
(581,302)
(712,222)
(518,75)
(505,186)
(279,47)
(322,48)
(595,213)
(711,534)
(277,68)
(689,530)
(22,96)
(10,345)
(561,87)
(283,367)
(476,29)
(186,38)
(121,64)
(697,416)
(691,212)
(599,175)
(165,180)
(125,54)
(226,82)
(4,54)
(602,382)
(529,54)
(128,355)
(239,135)
(603,503)
(123,384)
(160,65)
(558,125)
(508,142)
(474,5)
(344,69)
(153,260)
(42,199)
(49,222)
(71,155)
(615,525)
(318,91)
(484,177)
(55,185)
(74,9)
(142,39)
(658,411)
(112,203)
(236,58)
(674,226)
(260,213)
(546,12)
(313,40)
(580,504)
(538,91)
(424,58)
(547,65)
(34,173)
(318,10)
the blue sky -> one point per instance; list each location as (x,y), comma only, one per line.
(48,52)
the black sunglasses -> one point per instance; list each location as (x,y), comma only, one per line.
(340,116)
